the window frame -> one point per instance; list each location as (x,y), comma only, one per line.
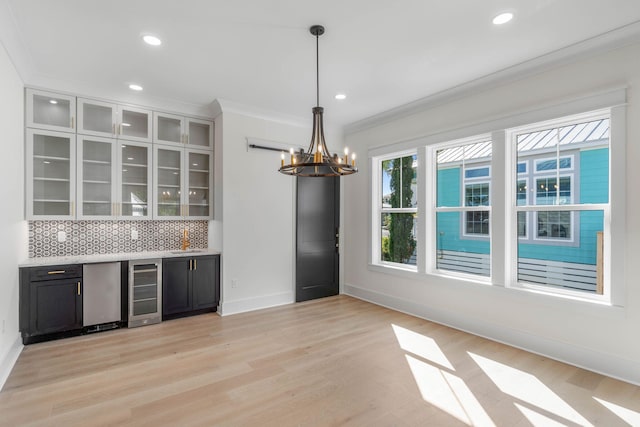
(376,241)
(512,280)
(432,201)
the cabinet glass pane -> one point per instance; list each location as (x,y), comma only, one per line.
(51,175)
(96,178)
(97,118)
(169,129)
(169,182)
(199,171)
(134,181)
(199,134)
(49,110)
(135,124)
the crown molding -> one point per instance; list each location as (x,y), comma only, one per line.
(13,44)
(614,39)
(225,106)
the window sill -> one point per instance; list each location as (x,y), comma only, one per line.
(394,269)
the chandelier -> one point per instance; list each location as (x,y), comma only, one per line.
(317,161)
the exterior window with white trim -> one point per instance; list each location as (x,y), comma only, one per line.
(563,199)
(463,207)
(398,209)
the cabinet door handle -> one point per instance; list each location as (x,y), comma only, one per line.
(72,122)
(113,127)
(56,272)
(195,264)
(190,264)
(78,288)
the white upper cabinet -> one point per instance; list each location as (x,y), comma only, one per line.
(50,171)
(134,199)
(51,111)
(134,124)
(199,184)
(180,130)
(183,183)
(97,174)
(168,180)
(115,161)
(100,118)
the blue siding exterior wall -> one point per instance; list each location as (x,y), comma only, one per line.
(593,188)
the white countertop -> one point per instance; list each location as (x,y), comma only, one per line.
(123,256)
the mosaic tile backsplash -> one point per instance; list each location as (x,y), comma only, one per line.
(104,237)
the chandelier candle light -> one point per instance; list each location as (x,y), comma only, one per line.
(317,161)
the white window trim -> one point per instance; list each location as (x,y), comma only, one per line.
(431,204)
(612,261)
(376,226)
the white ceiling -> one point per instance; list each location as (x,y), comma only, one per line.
(259,53)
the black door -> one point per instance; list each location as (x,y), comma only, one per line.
(318,213)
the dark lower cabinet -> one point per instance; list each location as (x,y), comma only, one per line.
(50,302)
(190,285)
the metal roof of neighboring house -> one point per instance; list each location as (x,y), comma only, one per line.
(595,132)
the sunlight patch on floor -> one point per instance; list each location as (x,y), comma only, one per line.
(448,392)
(630,416)
(537,419)
(421,346)
(528,388)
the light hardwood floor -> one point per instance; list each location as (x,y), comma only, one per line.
(334,361)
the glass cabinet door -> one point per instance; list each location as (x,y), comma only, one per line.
(52,111)
(96,189)
(168,184)
(168,129)
(135,180)
(134,124)
(96,118)
(199,133)
(50,174)
(199,183)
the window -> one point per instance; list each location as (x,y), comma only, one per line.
(550,181)
(398,209)
(565,205)
(463,176)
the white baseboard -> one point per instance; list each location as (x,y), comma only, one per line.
(6,365)
(603,363)
(250,304)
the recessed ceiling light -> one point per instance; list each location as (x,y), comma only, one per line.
(135,87)
(503,18)
(341,96)
(152,40)
(53,101)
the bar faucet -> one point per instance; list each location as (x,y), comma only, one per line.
(185,240)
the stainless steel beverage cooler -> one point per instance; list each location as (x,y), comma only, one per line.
(145,292)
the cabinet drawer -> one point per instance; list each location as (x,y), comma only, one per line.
(54,272)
